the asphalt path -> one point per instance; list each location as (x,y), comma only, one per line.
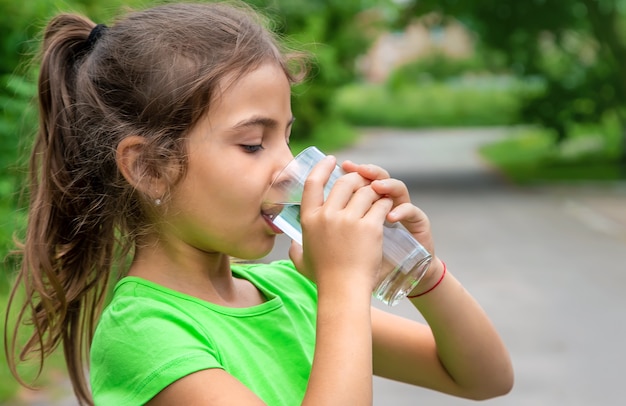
(547,264)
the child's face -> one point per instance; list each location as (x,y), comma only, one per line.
(234,153)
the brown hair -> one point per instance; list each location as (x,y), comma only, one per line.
(153,74)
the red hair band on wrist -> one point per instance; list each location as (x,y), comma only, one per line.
(434,286)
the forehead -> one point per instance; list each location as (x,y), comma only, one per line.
(260,95)
(247,76)
(259,86)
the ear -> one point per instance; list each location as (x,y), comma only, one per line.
(131,161)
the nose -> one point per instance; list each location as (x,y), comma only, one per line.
(284,156)
(279,182)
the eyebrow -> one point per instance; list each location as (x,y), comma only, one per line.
(260,121)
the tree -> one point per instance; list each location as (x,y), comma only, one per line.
(335,33)
(578,47)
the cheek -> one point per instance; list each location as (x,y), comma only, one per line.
(198,192)
(234,193)
(225,186)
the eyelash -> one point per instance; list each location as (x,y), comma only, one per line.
(251,149)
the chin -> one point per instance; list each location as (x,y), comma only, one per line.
(256,252)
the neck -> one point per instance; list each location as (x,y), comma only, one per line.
(193,272)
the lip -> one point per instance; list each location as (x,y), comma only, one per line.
(268,220)
(271,210)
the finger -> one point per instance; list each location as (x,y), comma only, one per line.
(362,201)
(349,166)
(393,188)
(313,191)
(344,189)
(379,210)
(406,212)
(368,171)
(415,221)
(296,255)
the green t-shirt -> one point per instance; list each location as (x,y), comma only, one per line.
(150,336)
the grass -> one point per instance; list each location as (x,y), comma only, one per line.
(530,156)
(433,104)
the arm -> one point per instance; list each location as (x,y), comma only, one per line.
(459,352)
(342,367)
(207,387)
(341,248)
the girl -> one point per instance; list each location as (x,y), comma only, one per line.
(159,137)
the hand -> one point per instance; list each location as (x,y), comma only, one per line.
(296,254)
(342,235)
(414,219)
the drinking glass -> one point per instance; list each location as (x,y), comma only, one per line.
(405,260)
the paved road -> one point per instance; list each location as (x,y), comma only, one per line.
(547,264)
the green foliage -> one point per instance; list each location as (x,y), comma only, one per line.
(16,125)
(18,119)
(332,31)
(591,153)
(329,136)
(433,68)
(577,47)
(471,101)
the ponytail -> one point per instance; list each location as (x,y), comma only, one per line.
(66,255)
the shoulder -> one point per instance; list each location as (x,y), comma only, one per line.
(146,338)
(143,308)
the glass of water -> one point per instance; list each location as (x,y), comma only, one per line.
(405,260)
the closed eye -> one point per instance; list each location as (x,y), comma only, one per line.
(252,148)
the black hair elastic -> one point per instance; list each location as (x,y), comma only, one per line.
(95,35)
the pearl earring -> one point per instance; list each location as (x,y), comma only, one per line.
(157,202)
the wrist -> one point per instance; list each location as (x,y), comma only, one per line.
(346,302)
(344,285)
(434,276)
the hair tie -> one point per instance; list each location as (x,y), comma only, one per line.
(95,35)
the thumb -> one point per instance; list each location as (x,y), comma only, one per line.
(296,255)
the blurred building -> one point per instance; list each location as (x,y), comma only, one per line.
(422,37)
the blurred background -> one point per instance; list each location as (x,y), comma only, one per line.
(547,74)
